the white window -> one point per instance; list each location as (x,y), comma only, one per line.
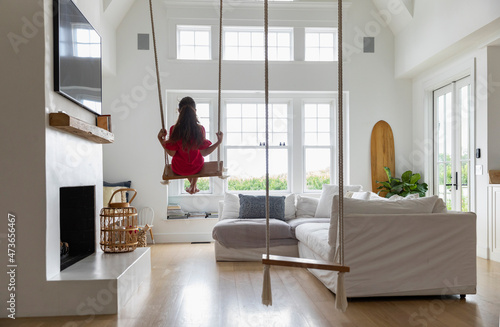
(317,130)
(88,42)
(321,44)
(193,42)
(302,141)
(245,146)
(247,43)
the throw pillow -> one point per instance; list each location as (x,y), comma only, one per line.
(254,206)
(290,206)
(125,184)
(122,184)
(356,206)
(306,206)
(420,205)
(360,195)
(440,206)
(327,193)
(231,209)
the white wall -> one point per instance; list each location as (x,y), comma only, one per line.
(493,79)
(441,29)
(23,145)
(131,95)
(483,67)
(37,159)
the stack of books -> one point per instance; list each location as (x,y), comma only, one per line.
(196,215)
(212,214)
(174,211)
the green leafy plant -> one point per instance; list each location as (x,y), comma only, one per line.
(407,184)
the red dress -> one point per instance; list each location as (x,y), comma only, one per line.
(187,162)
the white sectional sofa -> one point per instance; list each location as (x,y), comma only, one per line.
(394,248)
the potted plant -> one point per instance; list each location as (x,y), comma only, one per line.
(407,184)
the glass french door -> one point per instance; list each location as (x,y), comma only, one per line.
(453,132)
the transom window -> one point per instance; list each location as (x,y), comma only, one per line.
(193,42)
(245,146)
(317,127)
(246,124)
(321,44)
(247,43)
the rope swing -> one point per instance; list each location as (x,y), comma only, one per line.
(267,259)
(210,168)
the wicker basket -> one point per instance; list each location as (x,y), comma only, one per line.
(142,239)
(119,225)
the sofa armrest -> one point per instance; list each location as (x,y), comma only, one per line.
(400,250)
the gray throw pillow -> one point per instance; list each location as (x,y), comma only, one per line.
(254,206)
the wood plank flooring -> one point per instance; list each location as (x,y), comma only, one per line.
(188,288)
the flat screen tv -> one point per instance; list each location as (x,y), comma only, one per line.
(77,57)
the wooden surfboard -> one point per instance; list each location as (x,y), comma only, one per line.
(382,153)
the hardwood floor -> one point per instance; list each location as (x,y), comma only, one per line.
(188,288)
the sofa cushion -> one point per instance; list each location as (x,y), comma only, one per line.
(294,223)
(315,236)
(251,233)
(306,206)
(254,206)
(327,193)
(356,206)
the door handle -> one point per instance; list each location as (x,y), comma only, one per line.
(456,181)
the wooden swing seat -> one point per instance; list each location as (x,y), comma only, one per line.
(210,169)
(277,260)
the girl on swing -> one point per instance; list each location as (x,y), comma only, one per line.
(187,143)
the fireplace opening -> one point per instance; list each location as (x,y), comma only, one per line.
(77,224)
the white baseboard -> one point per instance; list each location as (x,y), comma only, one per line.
(183,237)
(494,256)
(482,252)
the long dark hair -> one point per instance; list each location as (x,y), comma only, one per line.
(187,128)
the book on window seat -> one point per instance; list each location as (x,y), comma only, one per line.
(174,211)
(200,214)
(210,214)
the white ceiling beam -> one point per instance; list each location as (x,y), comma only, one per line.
(396,13)
(116,10)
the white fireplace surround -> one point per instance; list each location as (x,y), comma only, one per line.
(39,160)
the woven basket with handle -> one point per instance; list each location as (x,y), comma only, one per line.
(119,225)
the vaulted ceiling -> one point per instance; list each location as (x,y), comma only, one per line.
(395,22)
(116,10)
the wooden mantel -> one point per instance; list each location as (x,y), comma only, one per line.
(65,122)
